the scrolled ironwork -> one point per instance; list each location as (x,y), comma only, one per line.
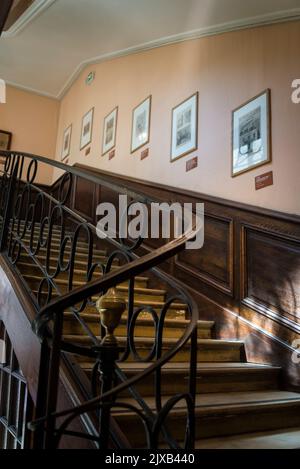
(59,246)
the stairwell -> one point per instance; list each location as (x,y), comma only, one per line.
(238,405)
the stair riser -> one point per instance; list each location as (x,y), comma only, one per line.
(80,260)
(34,285)
(35,271)
(183,356)
(56,242)
(246,422)
(177,382)
(73,328)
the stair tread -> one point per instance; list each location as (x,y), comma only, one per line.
(169,340)
(230,402)
(79,283)
(288,438)
(76,271)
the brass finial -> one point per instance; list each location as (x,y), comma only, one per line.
(110,306)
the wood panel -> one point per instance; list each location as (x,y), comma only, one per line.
(271,272)
(213,264)
(84,199)
(246,276)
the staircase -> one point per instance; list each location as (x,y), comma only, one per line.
(238,405)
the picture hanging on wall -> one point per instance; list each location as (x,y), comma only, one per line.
(66,143)
(185,128)
(141,125)
(5,140)
(110,131)
(86,129)
(251,134)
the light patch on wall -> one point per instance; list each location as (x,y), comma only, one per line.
(2,352)
(2,92)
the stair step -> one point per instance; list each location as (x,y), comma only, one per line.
(209,350)
(80,259)
(144,326)
(286,438)
(223,414)
(56,242)
(211,377)
(29,269)
(141,294)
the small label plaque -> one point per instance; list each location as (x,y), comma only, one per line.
(145,154)
(192,164)
(112,154)
(264,180)
(87,151)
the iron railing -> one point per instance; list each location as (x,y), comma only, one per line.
(30,216)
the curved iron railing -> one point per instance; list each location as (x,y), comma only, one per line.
(41,231)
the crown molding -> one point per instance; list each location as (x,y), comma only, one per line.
(38,7)
(31,90)
(262,20)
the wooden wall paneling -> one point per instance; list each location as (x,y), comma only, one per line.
(270,275)
(213,264)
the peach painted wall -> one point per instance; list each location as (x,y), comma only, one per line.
(227,70)
(33,121)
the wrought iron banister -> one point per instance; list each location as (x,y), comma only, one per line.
(32,219)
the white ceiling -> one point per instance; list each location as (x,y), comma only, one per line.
(48,53)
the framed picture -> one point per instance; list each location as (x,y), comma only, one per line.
(5,140)
(251,134)
(66,143)
(185,128)
(110,131)
(141,125)
(86,129)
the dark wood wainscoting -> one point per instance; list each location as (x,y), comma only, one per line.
(247,275)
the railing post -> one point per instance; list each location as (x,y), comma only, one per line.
(8,211)
(111,307)
(107,357)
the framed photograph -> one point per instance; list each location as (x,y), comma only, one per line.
(5,140)
(251,134)
(110,131)
(141,125)
(86,129)
(66,143)
(185,128)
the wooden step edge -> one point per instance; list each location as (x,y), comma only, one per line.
(76,271)
(285,438)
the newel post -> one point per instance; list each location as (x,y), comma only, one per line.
(110,306)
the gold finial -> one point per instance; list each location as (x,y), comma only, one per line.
(110,306)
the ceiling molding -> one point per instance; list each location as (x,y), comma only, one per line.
(262,20)
(31,90)
(38,7)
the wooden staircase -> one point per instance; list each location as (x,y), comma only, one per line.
(239,404)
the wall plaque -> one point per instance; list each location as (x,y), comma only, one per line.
(264,180)
(145,154)
(192,164)
(112,154)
